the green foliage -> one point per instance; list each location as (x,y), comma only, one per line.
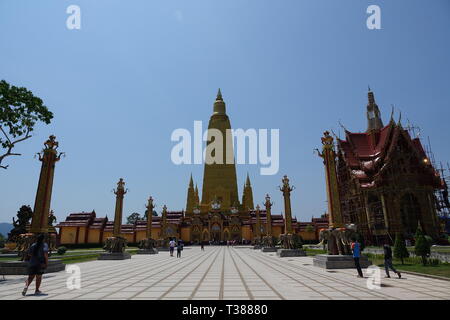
(61,250)
(155,214)
(423,246)
(297,240)
(407,261)
(132,218)
(20,225)
(2,241)
(309,228)
(400,250)
(20,110)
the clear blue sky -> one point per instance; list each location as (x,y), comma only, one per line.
(139,69)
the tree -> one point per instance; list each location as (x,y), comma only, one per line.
(155,214)
(132,218)
(2,240)
(400,250)
(20,110)
(24,216)
(422,246)
(309,228)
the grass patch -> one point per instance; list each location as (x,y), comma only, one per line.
(313,252)
(440,249)
(413,264)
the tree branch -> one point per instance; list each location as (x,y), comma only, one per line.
(11,146)
(27,136)
(7,137)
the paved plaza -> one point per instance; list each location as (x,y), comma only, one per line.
(222,273)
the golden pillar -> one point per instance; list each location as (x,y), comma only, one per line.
(150,208)
(329,160)
(41,212)
(258,224)
(286,189)
(164,222)
(119,192)
(268,206)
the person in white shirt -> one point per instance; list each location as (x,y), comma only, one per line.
(171,247)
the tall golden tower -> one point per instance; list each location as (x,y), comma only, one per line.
(219,178)
(190,202)
(286,189)
(196,197)
(39,222)
(247,196)
(329,160)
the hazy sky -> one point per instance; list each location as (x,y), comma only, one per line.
(139,69)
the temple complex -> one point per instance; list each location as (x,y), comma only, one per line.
(217,216)
(381,180)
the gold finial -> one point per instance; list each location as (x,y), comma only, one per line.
(51,143)
(219,96)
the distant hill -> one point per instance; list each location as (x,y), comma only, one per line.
(5,228)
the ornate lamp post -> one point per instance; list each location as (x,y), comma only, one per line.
(115,245)
(258,226)
(147,245)
(286,190)
(41,212)
(268,206)
(329,160)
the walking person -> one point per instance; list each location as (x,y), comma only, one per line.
(37,256)
(356,248)
(388,261)
(202,246)
(179,248)
(171,246)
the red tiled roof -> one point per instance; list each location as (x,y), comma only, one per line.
(364,153)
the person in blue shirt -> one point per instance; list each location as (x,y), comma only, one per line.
(356,248)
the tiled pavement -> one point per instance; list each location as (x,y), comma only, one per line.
(222,273)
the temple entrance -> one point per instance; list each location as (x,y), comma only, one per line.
(205,235)
(226,235)
(196,235)
(215,233)
(410,213)
(235,233)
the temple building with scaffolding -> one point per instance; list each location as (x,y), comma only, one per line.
(386,181)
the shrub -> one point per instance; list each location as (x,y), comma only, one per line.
(422,246)
(62,250)
(434,262)
(400,251)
